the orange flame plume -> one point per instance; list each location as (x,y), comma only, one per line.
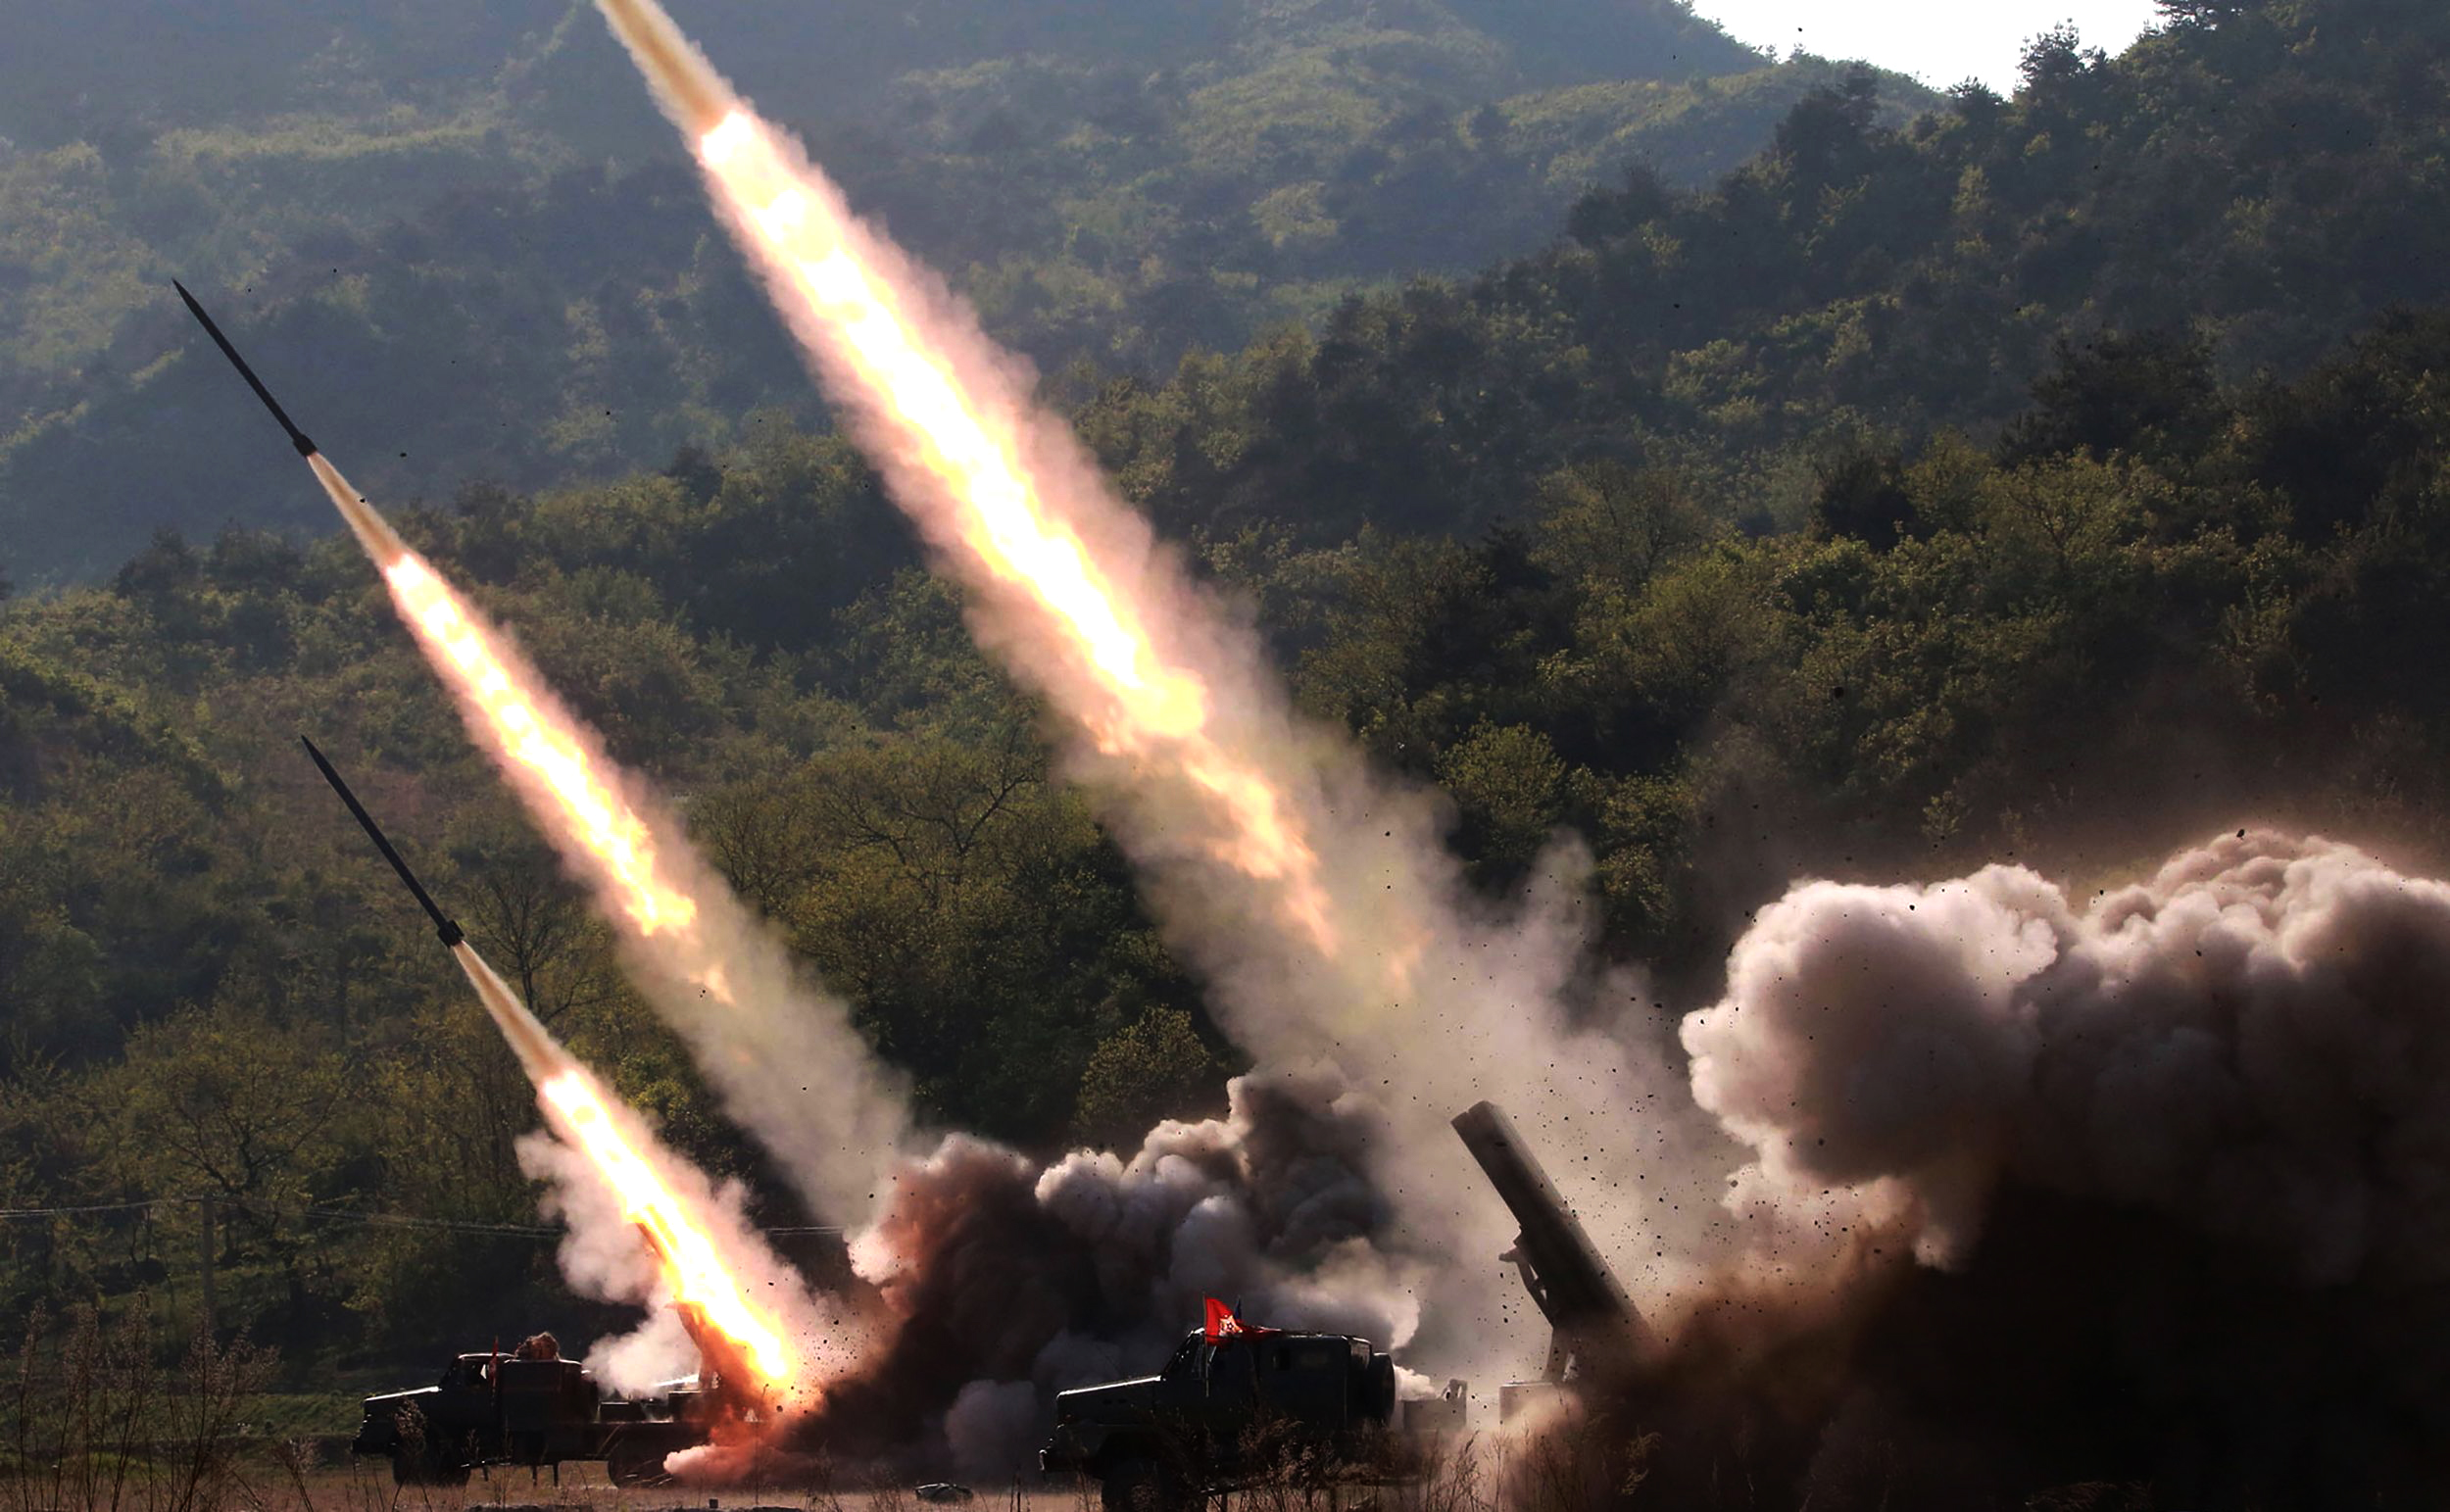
(586,1117)
(580,1111)
(522,723)
(699,1280)
(703,960)
(958,449)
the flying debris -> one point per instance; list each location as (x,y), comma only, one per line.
(444,926)
(297,438)
(1594,1328)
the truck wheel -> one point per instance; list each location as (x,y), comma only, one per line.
(1383,1387)
(629,1464)
(1139,1485)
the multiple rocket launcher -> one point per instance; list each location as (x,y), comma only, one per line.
(1584,1306)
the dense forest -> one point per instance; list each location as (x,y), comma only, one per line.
(435,211)
(2050,477)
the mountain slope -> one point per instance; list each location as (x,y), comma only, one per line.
(2223,200)
(490,210)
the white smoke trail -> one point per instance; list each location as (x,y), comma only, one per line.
(780,1052)
(1318,897)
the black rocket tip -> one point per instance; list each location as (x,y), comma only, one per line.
(297,437)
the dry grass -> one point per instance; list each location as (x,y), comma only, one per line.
(287,1478)
(93,1424)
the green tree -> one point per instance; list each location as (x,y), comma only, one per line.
(227,1103)
(1156,1067)
(1608,522)
(1511,787)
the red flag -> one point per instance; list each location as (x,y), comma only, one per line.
(1223,1325)
(1221,1322)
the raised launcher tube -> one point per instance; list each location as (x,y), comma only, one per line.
(1588,1314)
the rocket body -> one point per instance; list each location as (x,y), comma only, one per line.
(445,927)
(297,438)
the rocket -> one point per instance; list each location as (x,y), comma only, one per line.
(445,927)
(297,438)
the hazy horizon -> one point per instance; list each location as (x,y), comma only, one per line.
(1935,41)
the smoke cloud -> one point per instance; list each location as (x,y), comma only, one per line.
(2168,1162)
(2253,1043)
(1007,1282)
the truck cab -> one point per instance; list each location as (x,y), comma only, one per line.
(1195,1426)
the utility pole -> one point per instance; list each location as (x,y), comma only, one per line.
(205,1246)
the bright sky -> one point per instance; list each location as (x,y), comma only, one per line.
(1942,42)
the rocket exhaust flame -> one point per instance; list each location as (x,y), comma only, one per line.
(784,1055)
(967,451)
(704,960)
(1317,898)
(702,1284)
(620,1154)
(702,1279)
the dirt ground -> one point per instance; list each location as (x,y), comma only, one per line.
(369,1489)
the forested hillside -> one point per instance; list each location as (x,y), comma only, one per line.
(484,260)
(2234,198)
(2050,477)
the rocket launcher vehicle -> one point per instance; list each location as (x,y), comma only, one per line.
(1588,1315)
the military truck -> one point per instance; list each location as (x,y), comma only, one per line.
(498,1409)
(1155,1443)
(1226,1406)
